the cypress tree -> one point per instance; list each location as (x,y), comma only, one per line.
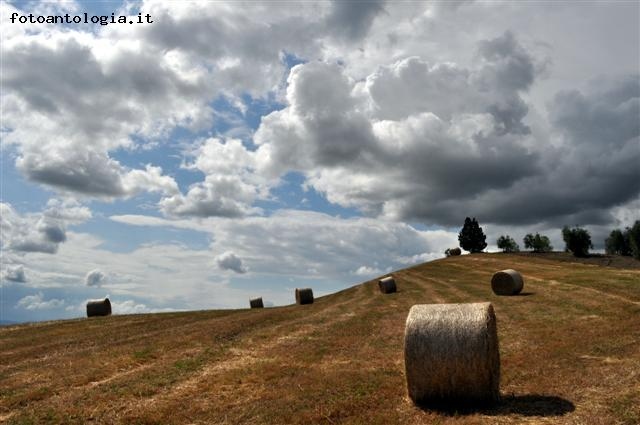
(471,237)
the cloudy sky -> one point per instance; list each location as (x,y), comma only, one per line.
(229,150)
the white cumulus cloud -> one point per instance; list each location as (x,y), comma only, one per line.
(37,302)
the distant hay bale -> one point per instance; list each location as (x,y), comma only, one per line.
(304,296)
(256,303)
(98,307)
(507,282)
(387,285)
(451,353)
(453,252)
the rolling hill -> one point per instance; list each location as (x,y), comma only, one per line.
(569,347)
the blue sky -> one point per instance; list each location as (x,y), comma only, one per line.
(233,150)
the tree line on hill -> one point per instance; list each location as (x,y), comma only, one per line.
(577,240)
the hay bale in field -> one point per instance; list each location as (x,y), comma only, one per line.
(507,282)
(304,296)
(387,285)
(451,353)
(98,307)
(453,252)
(256,303)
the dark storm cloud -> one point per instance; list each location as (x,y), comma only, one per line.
(595,170)
(339,140)
(579,183)
(607,117)
(509,116)
(28,68)
(509,69)
(447,174)
(88,174)
(509,65)
(352,19)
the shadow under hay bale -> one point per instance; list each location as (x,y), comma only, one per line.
(507,282)
(256,303)
(451,354)
(98,308)
(524,405)
(387,285)
(304,296)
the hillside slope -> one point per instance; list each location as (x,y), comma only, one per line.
(569,348)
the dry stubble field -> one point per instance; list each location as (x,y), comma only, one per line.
(569,347)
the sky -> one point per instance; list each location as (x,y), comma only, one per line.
(229,150)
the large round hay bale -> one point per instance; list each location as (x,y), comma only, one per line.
(256,303)
(304,296)
(98,307)
(451,353)
(507,282)
(387,285)
(455,251)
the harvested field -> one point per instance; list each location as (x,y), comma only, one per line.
(569,351)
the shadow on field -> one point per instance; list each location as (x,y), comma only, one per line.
(525,405)
(526,294)
(533,405)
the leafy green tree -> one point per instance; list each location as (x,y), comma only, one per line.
(634,239)
(538,243)
(577,240)
(618,242)
(507,244)
(471,237)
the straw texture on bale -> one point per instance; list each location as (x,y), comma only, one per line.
(98,307)
(507,282)
(304,296)
(387,285)
(256,303)
(455,251)
(451,353)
